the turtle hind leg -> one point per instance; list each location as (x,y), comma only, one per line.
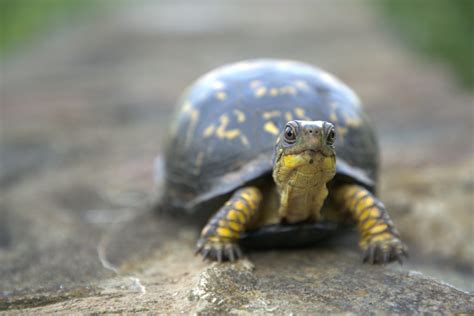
(379,238)
(219,237)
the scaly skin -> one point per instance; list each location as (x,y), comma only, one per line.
(379,239)
(219,237)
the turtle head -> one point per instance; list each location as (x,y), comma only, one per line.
(306,146)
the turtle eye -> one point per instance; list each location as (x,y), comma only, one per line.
(331,137)
(290,134)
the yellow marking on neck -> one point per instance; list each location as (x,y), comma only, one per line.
(221,95)
(208,131)
(273,92)
(293,161)
(193,118)
(288,116)
(271,128)
(260,92)
(240,116)
(271,114)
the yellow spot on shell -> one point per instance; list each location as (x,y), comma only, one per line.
(300,113)
(271,114)
(221,95)
(240,116)
(273,92)
(333,117)
(352,121)
(199,160)
(288,116)
(208,131)
(341,132)
(288,90)
(260,92)
(302,84)
(221,131)
(255,84)
(231,134)
(244,140)
(193,118)
(271,128)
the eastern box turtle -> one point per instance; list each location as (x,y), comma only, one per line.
(253,152)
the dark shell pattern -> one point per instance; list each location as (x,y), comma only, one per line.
(230,118)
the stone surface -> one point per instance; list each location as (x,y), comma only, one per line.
(325,280)
(85,110)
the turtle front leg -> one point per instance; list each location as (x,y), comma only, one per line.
(219,237)
(379,238)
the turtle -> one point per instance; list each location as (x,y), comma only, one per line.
(274,152)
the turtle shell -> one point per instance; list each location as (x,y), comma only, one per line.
(228,121)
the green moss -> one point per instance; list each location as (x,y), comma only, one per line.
(442,29)
(22,20)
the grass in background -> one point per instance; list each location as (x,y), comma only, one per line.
(442,29)
(22,20)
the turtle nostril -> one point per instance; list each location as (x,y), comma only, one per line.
(311,131)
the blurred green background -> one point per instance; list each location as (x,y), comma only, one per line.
(441,29)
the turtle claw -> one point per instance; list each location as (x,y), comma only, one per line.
(218,251)
(385,251)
